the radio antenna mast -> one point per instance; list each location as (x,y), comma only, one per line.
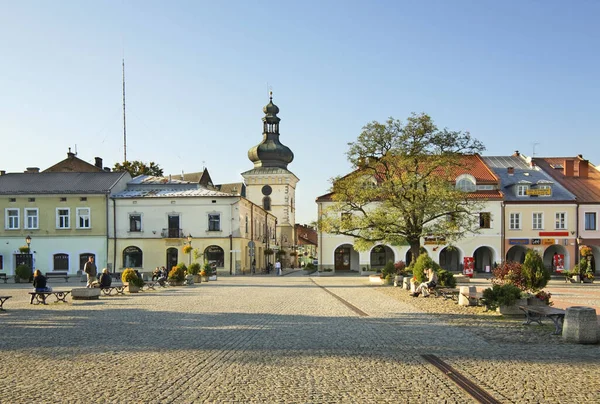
(124,121)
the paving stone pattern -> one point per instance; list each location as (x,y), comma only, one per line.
(279,340)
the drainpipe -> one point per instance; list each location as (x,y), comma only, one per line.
(576,233)
(114,235)
(502,234)
(320,241)
(107,226)
(230,254)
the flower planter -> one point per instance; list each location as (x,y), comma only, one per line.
(513,309)
(175,282)
(131,288)
(212,278)
(376,279)
(189,279)
(197,279)
(398,280)
(587,280)
(534,301)
(576,278)
(204,278)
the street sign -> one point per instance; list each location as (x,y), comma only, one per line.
(251,244)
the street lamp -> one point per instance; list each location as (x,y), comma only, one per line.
(28,241)
(189,239)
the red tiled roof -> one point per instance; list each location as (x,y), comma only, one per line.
(584,189)
(491,194)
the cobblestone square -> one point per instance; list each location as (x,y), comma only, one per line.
(267,339)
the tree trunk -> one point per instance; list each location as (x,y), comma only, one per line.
(415,246)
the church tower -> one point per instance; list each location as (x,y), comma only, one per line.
(270,184)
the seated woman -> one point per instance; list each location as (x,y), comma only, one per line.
(105,280)
(39,282)
(162,276)
(156,274)
(423,288)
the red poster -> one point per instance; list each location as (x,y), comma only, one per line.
(558,261)
(469,265)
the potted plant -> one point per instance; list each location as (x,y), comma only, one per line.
(541,298)
(400,268)
(187,249)
(23,273)
(503,298)
(176,276)
(194,270)
(269,251)
(206,272)
(131,281)
(588,277)
(24,249)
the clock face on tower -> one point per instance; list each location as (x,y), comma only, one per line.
(266,190)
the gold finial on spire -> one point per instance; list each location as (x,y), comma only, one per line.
(271,95)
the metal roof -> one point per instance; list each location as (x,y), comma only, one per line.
(59,182)
(168,193)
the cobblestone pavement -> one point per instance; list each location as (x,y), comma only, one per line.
(279,340)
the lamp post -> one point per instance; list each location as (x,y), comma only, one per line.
(28,241)
(189,239)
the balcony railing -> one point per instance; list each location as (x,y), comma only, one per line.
(172,233)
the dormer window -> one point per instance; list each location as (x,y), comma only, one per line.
(522,190)
(466,183)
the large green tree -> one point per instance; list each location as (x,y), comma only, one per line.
(137,167)
(403,186)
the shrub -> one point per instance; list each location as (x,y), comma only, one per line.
(388,270)
(207,269)
(400,267)
(194,268)
(446,278)
(501,295)
(187,249)
(421,264)
(129,276)
(535,275)
(310,267)
(177,274)
(182,266)
(23,271)
(509,272)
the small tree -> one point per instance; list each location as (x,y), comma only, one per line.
(423,262)
(509,272)
(388,270)
(535,275)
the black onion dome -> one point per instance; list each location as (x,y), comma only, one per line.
(270,152)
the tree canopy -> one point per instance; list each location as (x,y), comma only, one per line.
(403,186)
(137,167)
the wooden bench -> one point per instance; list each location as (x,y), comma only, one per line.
(119,290)
(150,285)
(2,300)
(58,274)
(4,277)
(447,293)
(535,313)
(40,297)
(476,297)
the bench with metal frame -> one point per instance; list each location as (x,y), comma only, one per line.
(58,274)
(536,313)
(2,300)
(40,297)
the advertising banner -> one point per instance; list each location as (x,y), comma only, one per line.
(558,261)
(469,265)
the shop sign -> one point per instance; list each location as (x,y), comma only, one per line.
(548,241)
(518,241)
(536,241)
(538,191)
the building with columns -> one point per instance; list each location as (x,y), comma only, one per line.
(271,185)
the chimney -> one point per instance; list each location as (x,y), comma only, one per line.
(532,164)
(70,155)
(2,172)
(510,170)
(584,166)
(98,162)
(32,170)
(107,169)
(516,154)
(569,168)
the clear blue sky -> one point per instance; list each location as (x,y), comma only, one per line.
(513,73)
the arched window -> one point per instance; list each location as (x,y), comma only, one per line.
(61,262)
(266,203)
(132,257)
(466,183)
(215,255)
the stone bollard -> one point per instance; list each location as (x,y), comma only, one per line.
(465,290)
(85,293)
(406,283)
(580,325)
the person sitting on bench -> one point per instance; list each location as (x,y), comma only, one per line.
(423,288)
(105,280)
(39,282)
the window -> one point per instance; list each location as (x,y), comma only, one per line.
(132,257)
(61,262)
(12,199)
(590,220)
(266,203)
(246,224)
(214,222)
(215,256)
(31,218)
(466,184)
(561,221)
(1,263)
(62,218)
(485,220)
(83,198)
(515,221)
(538,221)
(135,222)
(522,190)
(83,218)
(30,199)
(63,199)
(12,219)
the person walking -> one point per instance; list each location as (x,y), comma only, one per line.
(90,269)
(278,268)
